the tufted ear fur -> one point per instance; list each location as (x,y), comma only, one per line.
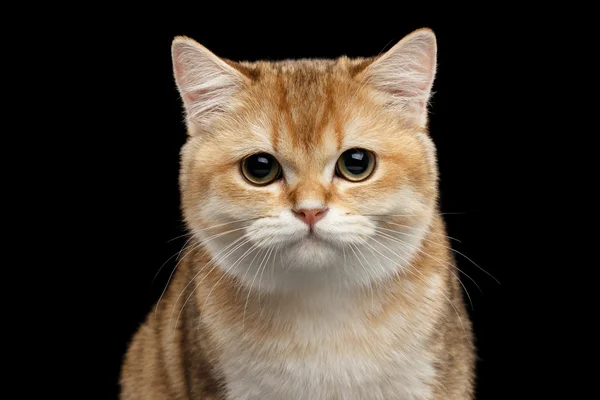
(405,74)
(205,82)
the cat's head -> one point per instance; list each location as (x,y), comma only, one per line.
(303,173)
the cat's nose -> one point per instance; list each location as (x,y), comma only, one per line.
(310,216)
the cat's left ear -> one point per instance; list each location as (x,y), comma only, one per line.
(405,74)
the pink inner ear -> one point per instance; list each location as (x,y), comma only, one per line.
(205,82)
(191,97)
(197,95)
(397,91)
(406,72)
(206,100)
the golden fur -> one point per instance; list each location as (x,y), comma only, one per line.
(305,112)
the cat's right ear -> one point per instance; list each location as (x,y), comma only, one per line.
(405,74)
(205,82)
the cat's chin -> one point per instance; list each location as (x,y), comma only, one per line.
(312,252)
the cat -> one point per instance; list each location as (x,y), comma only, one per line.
(317,265)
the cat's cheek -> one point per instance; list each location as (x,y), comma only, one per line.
(234,191)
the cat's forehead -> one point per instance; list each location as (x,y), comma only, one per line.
(307,106)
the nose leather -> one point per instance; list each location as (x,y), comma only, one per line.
(310,216)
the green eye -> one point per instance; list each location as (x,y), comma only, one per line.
(261,169)
(355,165)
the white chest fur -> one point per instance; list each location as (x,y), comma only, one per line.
(330,356)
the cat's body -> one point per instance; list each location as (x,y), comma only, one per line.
(313,285)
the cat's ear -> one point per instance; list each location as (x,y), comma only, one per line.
(405,74)
(205,82)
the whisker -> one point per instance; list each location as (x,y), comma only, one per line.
(276,247)
(444,246)
(180,236)
(178,253)
(203,242)
(383,255)
(193,248)
(212,227)
(450,266)
(265,257)
(207,274)
(404,215)
(378,281)
(230,222)
(281,260)
(218,235)
(407,226)
(239,260)
(475,264)
(371,248)
(410,269)
(366,271)
(214,261)
(278,251)
(237,291)
(377,251)
(389,215)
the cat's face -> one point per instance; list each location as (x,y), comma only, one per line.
(309,172)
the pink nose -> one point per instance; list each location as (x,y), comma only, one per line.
(310,217)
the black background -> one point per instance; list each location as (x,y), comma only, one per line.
(129,139)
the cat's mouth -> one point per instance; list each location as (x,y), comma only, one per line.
(311,237)
(315,238)
(308,238)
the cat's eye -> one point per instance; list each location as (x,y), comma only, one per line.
(355,165)
(261,169)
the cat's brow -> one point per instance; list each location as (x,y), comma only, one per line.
(307,111)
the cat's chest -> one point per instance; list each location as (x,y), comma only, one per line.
(329,362)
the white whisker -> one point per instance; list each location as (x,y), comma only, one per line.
(450,266)
(180,236)
(276,247)
(227,223)
(214,260)
(366,271)
(410,268)
(449,301)
(444,246)
(172,273)
(178,253)
(237,291)
(239,260)
(407,226)
(250,288)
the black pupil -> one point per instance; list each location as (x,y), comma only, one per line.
(259,165)
(356,161)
